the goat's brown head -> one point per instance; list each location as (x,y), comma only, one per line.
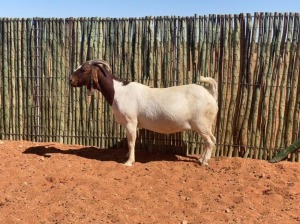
(88,75)
(93,75)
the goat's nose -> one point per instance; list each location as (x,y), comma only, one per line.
(71,80)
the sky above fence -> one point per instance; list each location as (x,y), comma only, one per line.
(140,8)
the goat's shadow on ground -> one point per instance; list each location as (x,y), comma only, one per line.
(109,154)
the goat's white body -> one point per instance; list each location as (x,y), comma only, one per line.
(164,110)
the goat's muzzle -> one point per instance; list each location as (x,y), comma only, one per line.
(73,82)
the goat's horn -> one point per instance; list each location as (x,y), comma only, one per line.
(99,61)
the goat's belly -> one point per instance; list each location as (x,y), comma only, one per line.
(164,127)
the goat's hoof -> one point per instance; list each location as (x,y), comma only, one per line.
(203,163)
(128,163)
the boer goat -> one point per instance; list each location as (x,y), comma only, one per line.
(163,110)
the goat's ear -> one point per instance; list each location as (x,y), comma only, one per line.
(95,75)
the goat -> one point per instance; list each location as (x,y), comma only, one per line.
(162,110)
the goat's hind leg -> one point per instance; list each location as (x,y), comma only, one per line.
(210,141)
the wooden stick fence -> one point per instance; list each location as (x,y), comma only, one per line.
(255,60)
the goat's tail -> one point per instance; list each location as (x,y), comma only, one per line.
(213,86)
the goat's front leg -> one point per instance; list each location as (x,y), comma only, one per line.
(131,137)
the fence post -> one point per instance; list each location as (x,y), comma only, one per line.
(37,80)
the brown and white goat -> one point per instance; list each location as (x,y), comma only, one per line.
(162,110)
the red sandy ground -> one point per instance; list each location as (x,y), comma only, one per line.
(55,183)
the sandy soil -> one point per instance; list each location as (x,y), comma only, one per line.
(54,183)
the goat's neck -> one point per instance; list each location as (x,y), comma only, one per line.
(106,85)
